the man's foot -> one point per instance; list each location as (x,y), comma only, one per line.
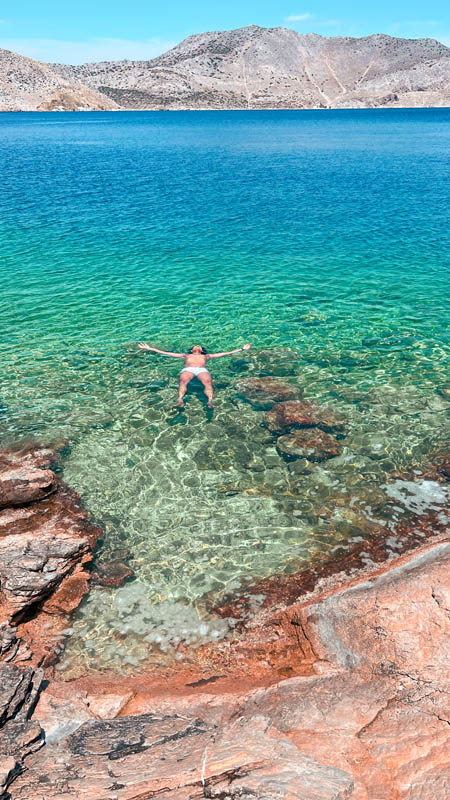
(179,404)
(210,404)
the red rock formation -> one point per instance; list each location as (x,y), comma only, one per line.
(368,720)
(46,543)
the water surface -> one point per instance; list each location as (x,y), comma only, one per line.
(321,233)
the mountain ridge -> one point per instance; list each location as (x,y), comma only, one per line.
(255,67)
(29,85)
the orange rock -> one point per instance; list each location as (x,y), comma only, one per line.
(46,542)
(369,721)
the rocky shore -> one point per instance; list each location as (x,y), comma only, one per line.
(335,687)
(46,543)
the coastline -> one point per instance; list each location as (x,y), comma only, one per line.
(308,638)
(232,108)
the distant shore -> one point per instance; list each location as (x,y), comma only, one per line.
(169,110)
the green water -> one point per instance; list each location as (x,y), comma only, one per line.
(320,236)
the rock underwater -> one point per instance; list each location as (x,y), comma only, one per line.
(312,444)
(264,392)
(302,414)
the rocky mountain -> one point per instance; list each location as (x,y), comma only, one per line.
(250,67)
(28,85)
(256,67)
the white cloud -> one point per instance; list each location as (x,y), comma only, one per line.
(66,52)
(298,17)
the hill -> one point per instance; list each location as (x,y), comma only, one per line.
(249,67)
(256,67)
(28,85)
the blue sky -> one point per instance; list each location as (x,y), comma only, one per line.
(93,30)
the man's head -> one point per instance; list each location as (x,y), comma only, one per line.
(198,350)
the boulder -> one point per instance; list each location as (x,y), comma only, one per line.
(22,485)
(264,392)
(302,414)
(31,566)
(313,444)
(180,757)
(46,541)
(355,708)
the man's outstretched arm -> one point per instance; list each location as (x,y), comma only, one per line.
(230,352)
(145,346)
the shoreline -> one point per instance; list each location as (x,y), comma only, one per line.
(167,110)
(328,655)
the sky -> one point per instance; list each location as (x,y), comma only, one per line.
(96,30)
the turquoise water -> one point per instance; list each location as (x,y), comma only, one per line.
(323,233)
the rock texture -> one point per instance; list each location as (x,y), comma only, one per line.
(28,85)
(46,543)
(19,736)
(367,719)
(249,67)
(257,67)
(314,445)
(335,687)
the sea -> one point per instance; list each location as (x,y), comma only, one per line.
(323,238)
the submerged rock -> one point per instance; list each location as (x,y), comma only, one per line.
(314,445)
(279,362)
(264,392)
(302,414)
(111,573)
(300,466)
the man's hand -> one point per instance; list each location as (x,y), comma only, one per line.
(246,347)
(144,346)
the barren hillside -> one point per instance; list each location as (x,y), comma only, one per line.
(277,68)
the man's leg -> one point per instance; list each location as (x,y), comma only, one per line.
(205,378)
(185,377)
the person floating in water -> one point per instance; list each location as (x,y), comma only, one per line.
(194,367)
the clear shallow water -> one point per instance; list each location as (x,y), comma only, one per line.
(325,234)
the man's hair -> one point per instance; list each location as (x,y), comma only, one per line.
(204,352)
